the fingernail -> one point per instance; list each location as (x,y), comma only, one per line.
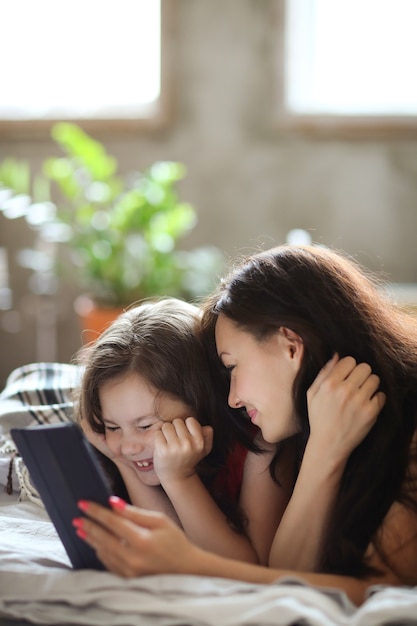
(83,505)
(117,503)
(78,522)
(81,533)
(333,357)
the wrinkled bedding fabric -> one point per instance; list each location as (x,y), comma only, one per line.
(37,584)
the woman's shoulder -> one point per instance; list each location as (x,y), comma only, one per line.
(397,542)
(397,535)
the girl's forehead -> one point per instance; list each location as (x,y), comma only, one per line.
(169,408)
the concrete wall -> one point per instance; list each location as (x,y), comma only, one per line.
(249,182)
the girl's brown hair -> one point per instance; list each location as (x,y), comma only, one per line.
(158,340)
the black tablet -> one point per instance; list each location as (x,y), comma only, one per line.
(64,469)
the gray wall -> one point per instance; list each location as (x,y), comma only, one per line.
(249,182)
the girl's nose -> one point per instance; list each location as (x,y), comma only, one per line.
(131,445)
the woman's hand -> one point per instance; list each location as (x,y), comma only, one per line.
(179,447)
(133,542)
(343,405)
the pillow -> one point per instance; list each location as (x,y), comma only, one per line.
(37,393)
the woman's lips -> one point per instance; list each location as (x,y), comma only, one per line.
(144,466)
(252,415)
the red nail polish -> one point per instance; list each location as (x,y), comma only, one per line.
(117,503)
(83,505)
(78,522)
(81,533)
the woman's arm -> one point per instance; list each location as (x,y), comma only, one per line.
(133,542)
(343,404)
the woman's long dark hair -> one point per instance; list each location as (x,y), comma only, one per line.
(158,340)
(336,307)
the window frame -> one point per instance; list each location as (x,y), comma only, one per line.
(327,125)
(158,119)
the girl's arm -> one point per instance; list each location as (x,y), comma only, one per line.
(132,542)
(262,503)
(148,497)
(343,404)
(179,446)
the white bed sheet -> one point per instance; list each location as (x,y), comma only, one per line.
(37,584)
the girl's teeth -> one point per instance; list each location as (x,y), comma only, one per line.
(143,463)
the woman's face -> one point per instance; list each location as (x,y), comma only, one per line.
(262,375)
(132,412)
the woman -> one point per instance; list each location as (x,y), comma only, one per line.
(291,324)
(148,404)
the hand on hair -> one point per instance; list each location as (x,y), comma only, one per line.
(343,404)
(179,446)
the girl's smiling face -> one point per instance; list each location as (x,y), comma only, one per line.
(262,375)
(132,412)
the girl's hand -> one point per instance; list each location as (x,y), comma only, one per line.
(343,405)
(179,446)
(133,542)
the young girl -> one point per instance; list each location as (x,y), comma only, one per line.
(148,403)
(291,324)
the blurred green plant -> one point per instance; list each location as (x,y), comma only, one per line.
(118,236)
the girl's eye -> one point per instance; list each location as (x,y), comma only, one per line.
(145,427)
(229,368)
(111,429)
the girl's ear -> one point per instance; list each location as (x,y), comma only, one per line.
(293,344)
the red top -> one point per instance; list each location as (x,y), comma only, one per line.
(229,479)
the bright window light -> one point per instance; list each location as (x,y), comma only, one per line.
(85,59)
(351,57)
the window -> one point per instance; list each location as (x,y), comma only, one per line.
(348,64)
(86,61)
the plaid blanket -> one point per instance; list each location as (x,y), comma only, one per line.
(37,393)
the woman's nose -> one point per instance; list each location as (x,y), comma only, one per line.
(234,401)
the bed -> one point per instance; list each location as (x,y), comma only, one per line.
(38,586)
